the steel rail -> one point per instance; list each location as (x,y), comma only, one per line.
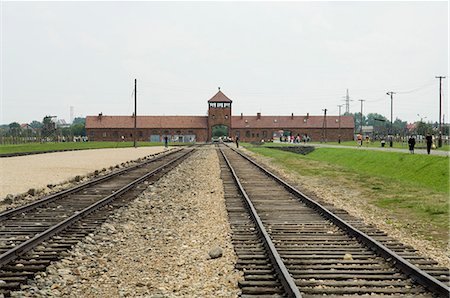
(39,238)
(53,197)
(286,279)
(415,273)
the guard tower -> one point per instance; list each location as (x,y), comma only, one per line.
(219,115)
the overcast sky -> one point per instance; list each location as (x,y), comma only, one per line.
(269,57)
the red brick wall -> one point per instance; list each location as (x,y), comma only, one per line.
(256,135)
(115,135)
(218,116)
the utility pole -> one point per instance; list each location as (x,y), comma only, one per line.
(324,126)
(391,93)
(440,110)
(339,133)
(135,113)
(361,117)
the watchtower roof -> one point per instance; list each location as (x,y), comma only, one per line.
(220,97)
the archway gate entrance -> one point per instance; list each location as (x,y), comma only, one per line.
(220,131)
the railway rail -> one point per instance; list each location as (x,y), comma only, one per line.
(34,235)
(288,245)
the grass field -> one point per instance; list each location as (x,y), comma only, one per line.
(413,189)
(371,145)
(31,147)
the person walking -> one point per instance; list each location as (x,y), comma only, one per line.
(411,143)
(237,142)
(429,139)
(359,139)
(166,141)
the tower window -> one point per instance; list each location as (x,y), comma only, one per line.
(226,116)
(220,104)
(227,105)
(212,104)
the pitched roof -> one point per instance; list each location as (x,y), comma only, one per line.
(219,97)
(147,122)
(284,122)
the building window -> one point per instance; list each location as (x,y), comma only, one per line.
(257,135)
(238,133)
(212,104)
(104,134)
(264,133)
(141,134)
(131,135)
(213,116)
(116,134)
(253,135)
(247,133)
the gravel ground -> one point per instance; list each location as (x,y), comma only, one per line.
(19,174)
(159,246)
(53,172)
(349,200)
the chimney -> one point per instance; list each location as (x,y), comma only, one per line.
(258,116)
(292,115)
(242,116)
(307,115)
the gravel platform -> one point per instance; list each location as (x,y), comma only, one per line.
(21,173)
(174,240)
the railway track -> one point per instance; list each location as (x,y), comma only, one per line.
(313,250)
(34,235)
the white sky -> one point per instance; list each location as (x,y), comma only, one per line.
(276,58)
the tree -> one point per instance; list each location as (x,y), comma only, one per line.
(14,129)
(399,127)
(423,128)
(78,129)
(49,127)
(36,124)
(79,120)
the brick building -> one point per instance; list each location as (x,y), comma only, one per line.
(219,121)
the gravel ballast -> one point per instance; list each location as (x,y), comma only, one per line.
(174,240)
(349,200)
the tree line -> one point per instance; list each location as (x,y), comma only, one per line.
(381,125)
(46,131)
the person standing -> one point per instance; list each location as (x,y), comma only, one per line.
(429,139)
(237,142)
(166,141)
(411,143)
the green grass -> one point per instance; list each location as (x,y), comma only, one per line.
(371,145)
(31,147)
(429,171)
(413,189)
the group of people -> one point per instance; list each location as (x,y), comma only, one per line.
(412,143)
(295,139)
